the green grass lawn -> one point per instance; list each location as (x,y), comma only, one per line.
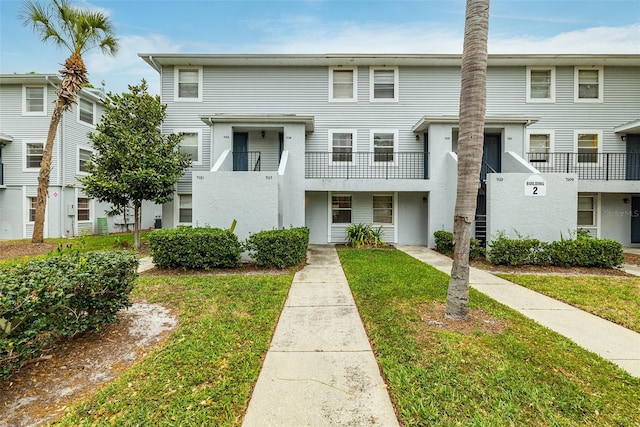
(520,375)
(203,374)
(613,298)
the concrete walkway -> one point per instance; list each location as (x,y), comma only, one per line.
(610,341)
(320,369)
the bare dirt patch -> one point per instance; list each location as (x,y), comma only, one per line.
(42,389)
(23,249)
(632,259)
(433,318)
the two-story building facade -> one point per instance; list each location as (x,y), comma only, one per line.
(26,107)
(331,140)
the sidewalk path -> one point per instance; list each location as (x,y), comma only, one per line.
(320,369)
(610,341)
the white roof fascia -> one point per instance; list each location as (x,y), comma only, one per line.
(423,124)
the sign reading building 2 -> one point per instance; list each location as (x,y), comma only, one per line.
(534,186)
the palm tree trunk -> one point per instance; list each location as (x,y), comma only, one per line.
(472,111)
(137,211)
(45,172)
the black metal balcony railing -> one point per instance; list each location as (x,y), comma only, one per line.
(1,174)
(246,160)
(591,166)
(366,165)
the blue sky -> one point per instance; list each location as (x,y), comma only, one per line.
(321,26)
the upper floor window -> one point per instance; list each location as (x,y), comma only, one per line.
(84,156)
(342,146)
(34,101)
(588,84)
(185,208)
(540,145)
(86,111)
(33,155)
(84,209)
(343,84)
(191,144)
(341,209)
(588,145)
(541,84)
(188,84)
(383,209)
(383,145)
(384,84)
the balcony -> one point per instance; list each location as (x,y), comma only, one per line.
(589,166)
(247,161)
(366,165)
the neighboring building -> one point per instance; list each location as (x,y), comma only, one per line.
(330,140)
(26,106)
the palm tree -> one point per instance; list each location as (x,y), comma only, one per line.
(78,30)
(473,97)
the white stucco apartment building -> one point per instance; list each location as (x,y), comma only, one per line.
(329,140)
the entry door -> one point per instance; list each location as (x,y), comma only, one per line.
(633,158)
(635,220)
(491,155)
(280,146)
(240,151)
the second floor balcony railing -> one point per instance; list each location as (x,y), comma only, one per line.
(366,165)
(589,166)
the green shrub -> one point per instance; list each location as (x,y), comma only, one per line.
(585,251)
(444,245)
(521,251)
(359,235)
(60,296)
(194,248)
(279,248)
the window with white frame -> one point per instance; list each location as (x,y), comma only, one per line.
(84,156)
(188,84)
(541,84)
(586,211)
(342,145)
(33,154)
(191,144)
(341,209)
(84,209)
(383,209)
(32,202)
(34,100)
(384,84)
(588,146)
(86,111)
(588,84)
(540,146)
(184,208)
(383,145)
(343,83)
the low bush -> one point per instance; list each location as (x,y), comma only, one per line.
(194,248)
(60,296)
(359,235)
(444,244)
(521,251)
(279,248)
(583,251)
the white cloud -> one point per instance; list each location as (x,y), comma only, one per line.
(127,67)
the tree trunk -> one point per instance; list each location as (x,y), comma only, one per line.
(45,173)
(470,143)
(137,212)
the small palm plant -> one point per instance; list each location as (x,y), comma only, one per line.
(359,235)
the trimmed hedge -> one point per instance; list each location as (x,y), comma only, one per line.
(444,244)
(279,248)
(194,248)
(61,296)
(583,251)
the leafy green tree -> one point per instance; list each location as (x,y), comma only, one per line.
(77,30)
(133,161)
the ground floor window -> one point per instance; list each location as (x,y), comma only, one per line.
(586,211)
(185,208)
(84,210)
(383,209)
(32,203)
(341,209)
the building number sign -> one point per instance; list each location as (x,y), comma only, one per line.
(535,186)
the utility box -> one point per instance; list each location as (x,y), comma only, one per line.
(71,209)
(103,226)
